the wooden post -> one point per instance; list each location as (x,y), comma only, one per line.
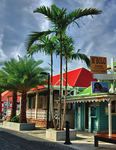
(36,103)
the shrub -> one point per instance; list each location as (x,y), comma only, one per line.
(15,119)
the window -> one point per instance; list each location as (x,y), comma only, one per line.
(31,102)
(113,106)
(42,102)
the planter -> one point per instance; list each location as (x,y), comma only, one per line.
(18,126)
(56,135)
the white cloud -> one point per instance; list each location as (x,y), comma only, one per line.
(96,36)
(3,57)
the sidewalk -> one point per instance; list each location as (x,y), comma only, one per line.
(84,141)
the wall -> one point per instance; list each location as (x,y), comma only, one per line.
(104,118)
(103,125)
(79,122)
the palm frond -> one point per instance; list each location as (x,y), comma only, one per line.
(35,48)
(81,56)
(76,14)
(45,11)
(34,36)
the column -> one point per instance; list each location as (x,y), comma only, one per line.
(76,116)
(109,119)
(36,103)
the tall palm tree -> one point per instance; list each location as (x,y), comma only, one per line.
(60,20)
(48,45)
(69,54)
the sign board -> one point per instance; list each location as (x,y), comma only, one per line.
(100,87)
(98,65)
(105,76)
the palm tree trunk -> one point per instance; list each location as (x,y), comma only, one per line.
(14,105)
(60,95)
(51,93)
(23,118)
(0,105)
(64,109)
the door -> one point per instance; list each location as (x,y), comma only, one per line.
(93,118)
(86,116)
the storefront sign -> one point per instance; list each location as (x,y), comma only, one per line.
(98,64)
(100,87)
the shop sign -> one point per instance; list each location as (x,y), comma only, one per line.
(98,65)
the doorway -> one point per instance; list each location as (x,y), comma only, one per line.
(93,118)
(86,116)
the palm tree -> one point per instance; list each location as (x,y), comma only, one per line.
(47,44)
(27,75)
(21,75)
(60,20)
(70,54)
(6,74)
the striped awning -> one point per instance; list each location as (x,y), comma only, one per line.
(85,99)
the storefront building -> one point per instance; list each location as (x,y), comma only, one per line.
(94,112)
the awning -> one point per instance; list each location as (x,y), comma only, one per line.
(85,99)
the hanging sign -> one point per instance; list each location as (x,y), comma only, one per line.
(98,65)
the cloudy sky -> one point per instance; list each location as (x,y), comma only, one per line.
(95,37)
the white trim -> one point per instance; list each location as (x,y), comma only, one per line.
(109,119)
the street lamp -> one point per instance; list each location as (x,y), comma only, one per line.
(48,97)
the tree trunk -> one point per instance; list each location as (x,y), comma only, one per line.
(23,118)
(0,105)
(60,96)
(51,93)
(14,105)
(64,109)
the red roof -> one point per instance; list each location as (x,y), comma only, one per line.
(7,95)
(38,87)
(79,77)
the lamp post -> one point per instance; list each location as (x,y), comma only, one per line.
(48,97)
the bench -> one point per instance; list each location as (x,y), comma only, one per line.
(104,138)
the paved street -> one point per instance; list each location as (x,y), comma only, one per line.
(10,140)
(35,140)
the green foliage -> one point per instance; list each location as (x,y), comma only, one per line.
(47,44)
(15,119)
(60,17)
(23,74)
(34,36)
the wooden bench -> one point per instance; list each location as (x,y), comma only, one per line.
(104,138)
